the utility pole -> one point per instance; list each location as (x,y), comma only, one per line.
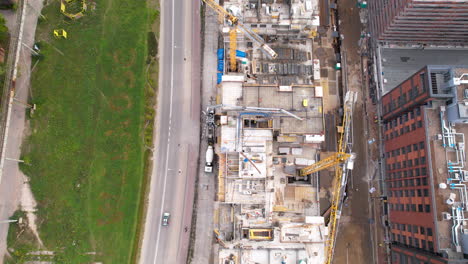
(17,160)
(29,48)
(8,221)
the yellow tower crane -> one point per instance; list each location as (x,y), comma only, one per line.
(337,160)
(233,35)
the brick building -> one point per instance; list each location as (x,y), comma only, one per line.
(436,22)
(424,128)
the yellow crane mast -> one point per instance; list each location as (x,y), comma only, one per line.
(337,193)
(336,160)
(233,34)
(331,161)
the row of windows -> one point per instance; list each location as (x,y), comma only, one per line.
(408,163)
(401,100)
(421,208)
(401,119)
(406,173)
(406,149)
(403,130)
(407,182)
(400,258)
(414,242)
(413,229)
(409,193)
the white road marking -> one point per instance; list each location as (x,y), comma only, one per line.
(169,135)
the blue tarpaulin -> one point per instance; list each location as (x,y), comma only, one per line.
(241,54)
(220,65)
(220,78)
(220,54)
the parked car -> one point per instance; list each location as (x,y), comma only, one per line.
(165,219)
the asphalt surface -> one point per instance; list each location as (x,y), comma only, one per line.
(12,180)
(176,134)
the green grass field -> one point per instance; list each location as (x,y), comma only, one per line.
(85,153)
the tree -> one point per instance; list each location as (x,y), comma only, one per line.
(3,29)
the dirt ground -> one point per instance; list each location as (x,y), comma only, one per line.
(355,240)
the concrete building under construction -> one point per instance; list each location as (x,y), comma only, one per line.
(419,22)
(270,126)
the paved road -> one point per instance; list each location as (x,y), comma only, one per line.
(12,185)
(177,135)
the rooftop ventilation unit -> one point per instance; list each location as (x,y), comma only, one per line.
(446,216)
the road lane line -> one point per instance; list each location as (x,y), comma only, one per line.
(168,138)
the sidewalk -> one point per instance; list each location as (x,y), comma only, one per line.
(13,181)
(202,246)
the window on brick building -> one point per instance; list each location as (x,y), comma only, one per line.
(403,150)
(418,111)
(410,163)
(423,244)
(418,182)
(419,193)
(419,124)
(429,231)
(416,242)
(423,171)
(424,181)
(416,162)
(422,230)
(401,131)
(407,195)
(427,210)
(408,148)
(420,208)
(417,172)
(412,194)
(421,145)
(404,164)
(423,160)
(426,192)
(415,147)
(405,173)
(408,207)
(413,208)
(430,245)
(415,229)
(410,241)
(410,173)
(413,126)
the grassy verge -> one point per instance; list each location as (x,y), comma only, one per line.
(151,91)
(86,149)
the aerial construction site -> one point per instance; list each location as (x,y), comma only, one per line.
(271,137)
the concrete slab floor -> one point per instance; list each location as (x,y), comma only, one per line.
(399,64)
